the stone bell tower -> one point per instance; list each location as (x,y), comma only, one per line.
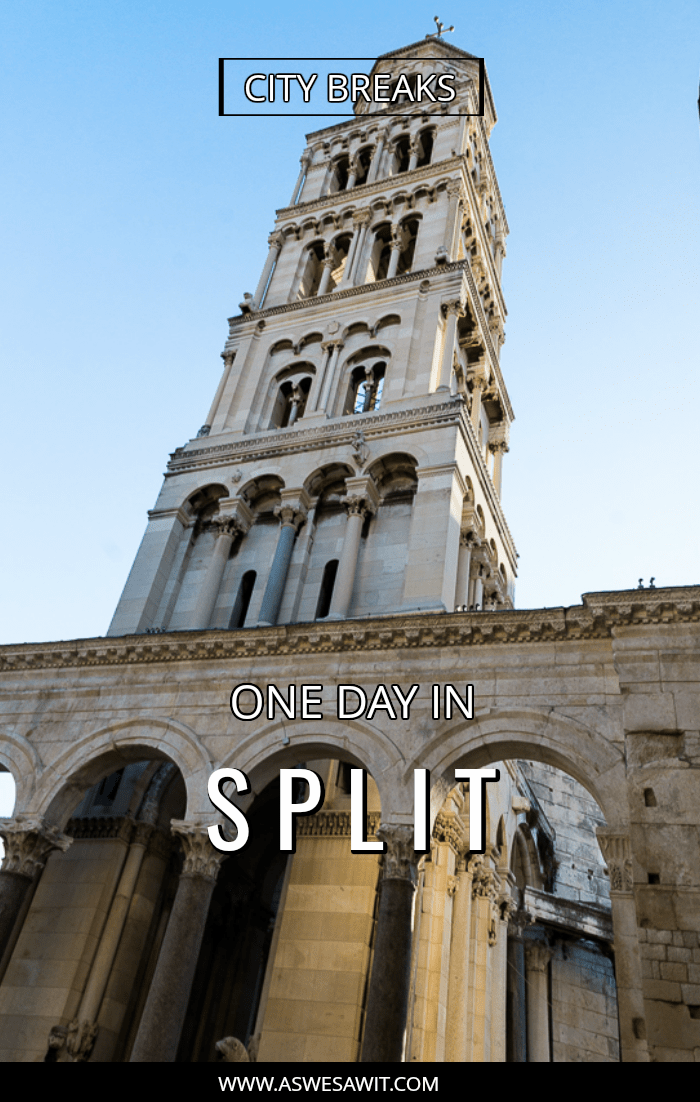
(351,461)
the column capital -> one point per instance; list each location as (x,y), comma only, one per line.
(291,515)
(454,188)
(400,859)
(615,846)
(28,843)
(449,828)
(453,307)
(228,527)
(202,859)
(361,488)
(275,240)
(538,955)
(362,217)
(328,346)
(498,447)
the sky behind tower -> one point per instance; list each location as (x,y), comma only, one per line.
(135,218)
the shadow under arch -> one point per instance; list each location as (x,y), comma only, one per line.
(98,754)
(556,740)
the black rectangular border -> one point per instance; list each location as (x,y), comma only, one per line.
(351,114)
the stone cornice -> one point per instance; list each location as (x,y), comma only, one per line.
(312,304)
(329,435)
(400,632)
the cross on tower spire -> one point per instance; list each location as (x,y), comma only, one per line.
(440,28)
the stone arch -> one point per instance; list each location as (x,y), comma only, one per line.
(20,758)
(352,376)
(259,491)
(98,754)
(567,744)
(261,753)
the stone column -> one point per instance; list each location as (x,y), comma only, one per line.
(498,451)
(377,157)
(537,958)
(485,890)
(395,252)
(463,567)
(499,967)
(414,149)
(304,161)
(275,241)
(352,174)
(328,263)
(361,500)
(617,852)
(516,996)
(452,311)
(166,1006)
(109,942)
(228,528)
(457,995)
(28,843)
(454,193)
(479,384)
(361,220)
(326,390)
(318,383)
(291,515)
(387,998)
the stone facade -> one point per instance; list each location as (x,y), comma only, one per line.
(338,520)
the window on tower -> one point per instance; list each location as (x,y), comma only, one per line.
(365,389)
(313,270)
(402,156)
(291,402)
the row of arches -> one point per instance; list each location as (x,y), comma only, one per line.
(360,388)
(405,153)
(230,992)
(324,263)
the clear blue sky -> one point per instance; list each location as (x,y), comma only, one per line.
(135,217)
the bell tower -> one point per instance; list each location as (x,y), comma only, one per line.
(351,461)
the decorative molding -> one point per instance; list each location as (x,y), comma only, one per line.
(380,633)
(449,829)
(349,292)
(333,824)
(332,434)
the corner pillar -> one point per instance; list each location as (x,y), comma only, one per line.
(452,311)
(617,852)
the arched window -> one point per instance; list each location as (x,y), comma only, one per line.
(362,162)
(402,156)
(409,233)
(425,142)
(291,402)
(245,592)
(323,606)
(339,174)
(365,390)
(381,254)
(313,270)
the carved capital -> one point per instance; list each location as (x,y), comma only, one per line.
(142,834)
(228,527)
(452,886)
(202,859)
(361,218)
(28,843)
(538,956)
(400,858)
(275,240)
(618,857)
(77,1040)
(485,884)
(449,828)
(454,188)
(358,506)
(292,516)
(454,307)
